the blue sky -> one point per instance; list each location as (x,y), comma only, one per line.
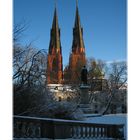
(103,22)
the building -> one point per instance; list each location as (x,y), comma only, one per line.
(54,58)
(77,58)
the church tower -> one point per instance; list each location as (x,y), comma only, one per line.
(54,57)
(77,57)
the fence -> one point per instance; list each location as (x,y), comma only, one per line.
(31,127)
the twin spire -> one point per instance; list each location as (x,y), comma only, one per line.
(77,18)
(54,58)
(78,36)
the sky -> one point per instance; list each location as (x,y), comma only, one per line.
(103,22)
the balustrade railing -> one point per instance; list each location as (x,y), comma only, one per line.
(31,127)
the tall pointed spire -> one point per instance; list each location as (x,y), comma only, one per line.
(77,32)
(54,58)
(77,17)
(55,34)
(55,18)
(77,57)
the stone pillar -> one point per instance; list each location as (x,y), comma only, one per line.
(84,94)
(84,102)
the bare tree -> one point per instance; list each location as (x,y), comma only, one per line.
(117,77)
(114,76)
(29,63)
(29,67)
(29,75)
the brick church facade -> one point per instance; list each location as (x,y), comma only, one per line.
(77,58)
(54,58)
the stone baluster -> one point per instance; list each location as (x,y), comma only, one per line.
(97,131)
(102,132)
(105,132)
(93,132)
(121,132)
(29,130)
(24,129)
(38,131)
(74,132)
(89,132)
(86,131)
(100,135)
(88,127)
(81,132)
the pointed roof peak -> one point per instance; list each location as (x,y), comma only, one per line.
(56,31)
(78,28)
(55,19)
(77,12)
(77,17)
(55,12)
(55,9)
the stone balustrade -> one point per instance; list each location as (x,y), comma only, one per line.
(31,127)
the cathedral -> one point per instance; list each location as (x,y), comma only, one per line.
(77,58)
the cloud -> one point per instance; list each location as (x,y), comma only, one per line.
(117,61)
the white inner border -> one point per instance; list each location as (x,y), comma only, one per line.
(5,69)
